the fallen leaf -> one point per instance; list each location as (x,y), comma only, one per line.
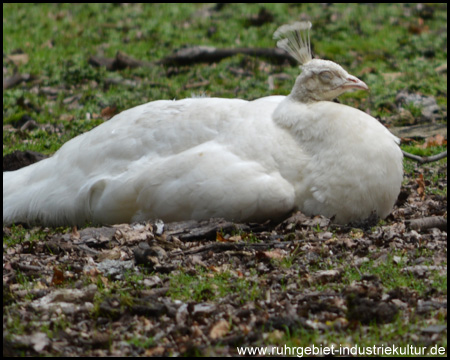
(390,77)
(109,111)
(18,59)
(326,276)
(75,235)
(39,341)
(368,70)
(155,351)
(419,27)
(58,276)
(421,188)
(66,117)
(349,243)
(113,254)
(273,254)
(436,140)
(214,268)
(220,238)
(48,44)
(219,329)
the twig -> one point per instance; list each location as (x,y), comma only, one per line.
(358,271)
(15,79)
(428,223)
(425,159)
(187,56)
(198,54)
(26,267)
(121,61)
(219,247)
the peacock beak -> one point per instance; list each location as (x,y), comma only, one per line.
(352,82)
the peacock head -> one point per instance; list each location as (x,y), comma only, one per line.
(320,80)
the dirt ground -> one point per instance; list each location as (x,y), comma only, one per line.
(207,288)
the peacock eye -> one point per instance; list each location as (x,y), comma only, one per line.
(325,76)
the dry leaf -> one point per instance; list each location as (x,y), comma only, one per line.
(94,274)
(58,276)
(18,59)
(214,268)
(109,111)
(419,27)
(275,336)
(326,276)
(219,329)
(113,254)
(368,70)
(390,77)
(75,235)
(421,188)
(273,254)
(349,243)
(66,117)
(219,237)
(39,341)
(155,351)
(436,140)
(48,44)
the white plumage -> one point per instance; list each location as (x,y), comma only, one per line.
(210,157)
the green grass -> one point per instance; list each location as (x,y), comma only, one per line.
(392,276)
(19,234)
(60,38)
(416,149)
(389,272)
(143,342)
(209,286)
(398,333)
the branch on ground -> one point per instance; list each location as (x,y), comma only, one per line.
(425,159)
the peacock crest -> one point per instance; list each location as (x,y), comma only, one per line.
(294,38)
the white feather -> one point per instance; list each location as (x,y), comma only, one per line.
(201,158)
(208,157)
(294,38)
